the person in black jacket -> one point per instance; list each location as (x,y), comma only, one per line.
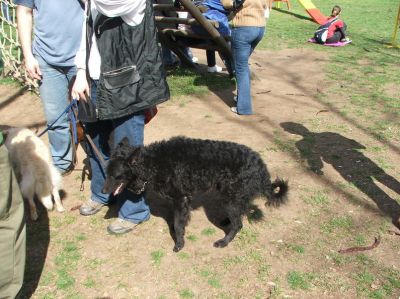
(127,78)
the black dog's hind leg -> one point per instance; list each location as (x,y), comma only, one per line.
(236,225)
(181,219)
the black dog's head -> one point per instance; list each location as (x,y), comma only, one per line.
(124,170)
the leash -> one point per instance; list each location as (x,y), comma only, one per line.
(72,118)
(96,151)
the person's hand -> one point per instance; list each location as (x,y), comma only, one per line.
(80,89)
(32,68)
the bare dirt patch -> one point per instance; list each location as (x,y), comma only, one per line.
(291,251)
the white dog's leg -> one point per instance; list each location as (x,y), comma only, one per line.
(57,200)
(28,193)
(47,202)
(32,209)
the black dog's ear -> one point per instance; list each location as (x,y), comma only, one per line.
(122,150)
(135,155)
(124,141)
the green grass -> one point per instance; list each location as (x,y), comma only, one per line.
(319,198)
(188,82)
(337,223)
(208,231)
(296,248)
(66,262)
(192,237)
(297,280)
(156,257)
(211,278)
(186,293)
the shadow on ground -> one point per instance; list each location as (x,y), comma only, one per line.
(37,243)
(345,157)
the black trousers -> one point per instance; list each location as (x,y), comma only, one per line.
(338,35)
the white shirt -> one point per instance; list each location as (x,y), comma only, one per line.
(131,12)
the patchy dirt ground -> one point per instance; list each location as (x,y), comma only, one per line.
(291,252)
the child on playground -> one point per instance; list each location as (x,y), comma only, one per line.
(337,30)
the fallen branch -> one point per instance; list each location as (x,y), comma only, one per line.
(262,92)
(362,248)
(323,110)
(296,94)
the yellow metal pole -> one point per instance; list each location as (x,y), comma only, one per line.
(396,27)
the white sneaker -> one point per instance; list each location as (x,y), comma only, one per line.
(214,69)
(234,110)
(195,59)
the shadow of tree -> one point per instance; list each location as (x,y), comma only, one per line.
(344,155)
(301,17)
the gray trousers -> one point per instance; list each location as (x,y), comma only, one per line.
(12,230)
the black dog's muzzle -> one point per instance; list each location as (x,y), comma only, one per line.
(140,191)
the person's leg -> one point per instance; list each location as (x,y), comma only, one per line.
(100,132)
(168,57)
(259,34)
(244,40)
(210,58)
(336,37)
(133,207)
(12,230)
(5,10)
(54,95)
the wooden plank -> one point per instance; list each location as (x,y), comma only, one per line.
(190,22)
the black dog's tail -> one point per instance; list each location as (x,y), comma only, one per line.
(278,192)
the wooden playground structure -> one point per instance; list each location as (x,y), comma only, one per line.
(177,39)
(393,43)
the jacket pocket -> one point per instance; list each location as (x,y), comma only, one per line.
(121,77)
(117,93)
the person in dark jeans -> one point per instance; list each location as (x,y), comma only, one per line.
(121,103)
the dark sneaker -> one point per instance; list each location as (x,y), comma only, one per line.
(121,226)
(90,207)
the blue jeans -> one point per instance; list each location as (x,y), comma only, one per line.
(167,56)
(243,42)
(5,10)
(133,207)
(54,89)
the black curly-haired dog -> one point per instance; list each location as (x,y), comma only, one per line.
(182,167)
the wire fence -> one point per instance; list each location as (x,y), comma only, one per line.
(11,58)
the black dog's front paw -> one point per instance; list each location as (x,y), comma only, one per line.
(178,247)
(220,243)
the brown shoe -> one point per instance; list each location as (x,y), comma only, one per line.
(121,226)
(90,207)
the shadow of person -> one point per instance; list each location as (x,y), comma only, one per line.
(344,155)
(37,243)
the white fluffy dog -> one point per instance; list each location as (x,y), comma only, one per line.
(34,169)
